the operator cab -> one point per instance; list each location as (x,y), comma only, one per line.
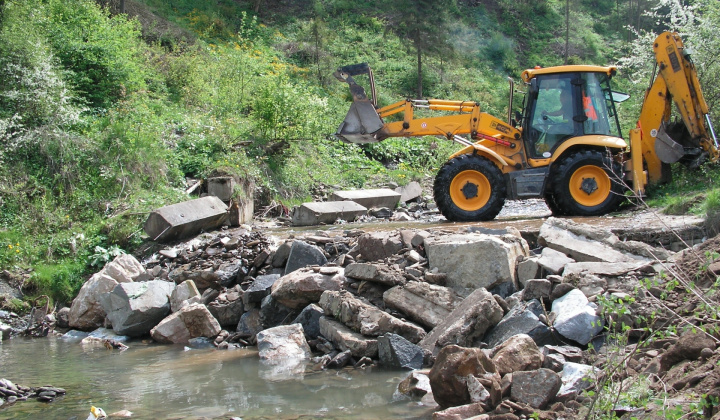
(567,102)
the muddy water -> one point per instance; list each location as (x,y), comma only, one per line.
(162,381)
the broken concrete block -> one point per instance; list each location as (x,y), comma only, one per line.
(221,187)
(475,260)
(376,246)
(310,214)
(411,191)
(376,273)
(527,269)
(382,197)
(185,219)
(553,261)
(345,339)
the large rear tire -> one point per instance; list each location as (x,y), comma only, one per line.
(469,188)
(586,183)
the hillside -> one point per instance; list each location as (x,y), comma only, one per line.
(105,116)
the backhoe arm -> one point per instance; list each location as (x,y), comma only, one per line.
(677,81)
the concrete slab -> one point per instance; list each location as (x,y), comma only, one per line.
(328,212)
(382,197)
(185,219)
(221,187)
(411,191)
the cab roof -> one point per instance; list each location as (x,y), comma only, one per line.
(529,74)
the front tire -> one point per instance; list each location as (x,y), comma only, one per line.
(469,188)
(587,183)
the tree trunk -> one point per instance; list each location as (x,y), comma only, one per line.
(420,80)
(567,29)
(122,6)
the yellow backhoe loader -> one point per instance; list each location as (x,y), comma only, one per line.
(565,146)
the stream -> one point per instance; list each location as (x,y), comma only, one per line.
(175,382)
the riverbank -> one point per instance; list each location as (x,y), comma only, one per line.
(390,299)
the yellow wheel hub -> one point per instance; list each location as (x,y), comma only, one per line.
(470,190)
(590,185)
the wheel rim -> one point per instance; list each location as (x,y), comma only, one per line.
(590,185)
(470,190)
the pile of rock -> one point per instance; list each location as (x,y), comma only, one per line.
(502,326)
(11,393)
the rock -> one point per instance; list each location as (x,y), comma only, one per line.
(309,318)
(424,303)
(86,311)
(553,261)
(535,388)
(365,318)
(135,308)
(260,287)
(522,319)
(304,255)
(380,212)
(397,353)
(203,278)
(518,353)
(191,321)
(576,318)
(327,212)
(460,412)
(230,272)
(555,362)
(413,238)
(590,284)
(282,345)
(575,378)
(341,360)
(377,246)
(469,321)
(376,273)
(108,334)
(279,259)
(585,243)
(560,290)
(537,289)
(416,384)
(454,367)
(249,324)
(185,293)
(411,191)
(227,312)
(303,287)
(527,269)
(274,313)
(475,260)
(606,268)
(63,318)
(345,339)
(124,268)
(689,347)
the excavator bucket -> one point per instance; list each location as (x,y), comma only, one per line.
(362,120)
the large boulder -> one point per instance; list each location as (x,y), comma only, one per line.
(309,318)
(227,308)
(303,287)
(467,322)
(576,317)
(517,354)
(397,353)
(135,308)
(376,246)
(282,345)
(522,319)
(191,321)
(346,339)
(86,312)
(184,294)
(424,303)
(303,255)
(535,388)
(366,318)
(259,288)
(475,260)
(376,273)
(456,372)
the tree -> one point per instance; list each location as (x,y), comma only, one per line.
(424,23)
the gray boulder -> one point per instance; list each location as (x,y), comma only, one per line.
(309,318)
(475,260)
(454,376)
(536,388)
(575,378)
(227,308)
(424,303)
(376,273)
(135,308)
(283,345)
(249,324)
(518,353)
(346,339)
(191,321)
(522,319)
(303,287)
(184,294)
(376,246)
(396,352)
(260,287)
(552,261)
(576,318)
(303,255)
(274,313)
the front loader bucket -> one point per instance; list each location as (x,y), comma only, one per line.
(361,123)
(362,120)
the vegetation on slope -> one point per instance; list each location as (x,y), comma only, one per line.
(103,115)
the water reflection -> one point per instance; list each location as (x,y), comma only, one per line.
(156,381)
